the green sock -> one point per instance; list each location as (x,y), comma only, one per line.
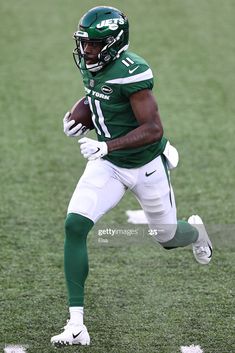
(185,235)
(75,256)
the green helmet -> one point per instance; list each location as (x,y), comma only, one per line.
(101,24)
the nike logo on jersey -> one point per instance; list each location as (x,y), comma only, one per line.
(74,336)
(148,174)
(133,70)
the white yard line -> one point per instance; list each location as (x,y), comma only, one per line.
(14,349)
(191,349)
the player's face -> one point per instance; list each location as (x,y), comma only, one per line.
(91,51)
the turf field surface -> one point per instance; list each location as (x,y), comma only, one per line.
(139,298)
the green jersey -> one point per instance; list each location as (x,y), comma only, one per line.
(108,93)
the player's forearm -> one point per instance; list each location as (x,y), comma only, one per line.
(143,135)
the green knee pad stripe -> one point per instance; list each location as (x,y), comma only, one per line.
(185,235)
(164,162)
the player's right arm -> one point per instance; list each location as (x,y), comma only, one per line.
(149,130)
(150,127)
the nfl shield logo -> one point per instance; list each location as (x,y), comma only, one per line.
(92,83)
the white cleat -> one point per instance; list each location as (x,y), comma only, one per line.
(202,248)
(73,334)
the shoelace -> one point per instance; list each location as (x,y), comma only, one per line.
(201,250)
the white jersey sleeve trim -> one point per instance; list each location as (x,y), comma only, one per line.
(146,75)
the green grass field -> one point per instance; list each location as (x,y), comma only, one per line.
(139,298)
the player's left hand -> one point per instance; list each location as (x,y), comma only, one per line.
(92,149)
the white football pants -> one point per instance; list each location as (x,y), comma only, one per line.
(103,184)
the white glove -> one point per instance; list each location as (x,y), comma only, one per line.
(92,149)
(77,130)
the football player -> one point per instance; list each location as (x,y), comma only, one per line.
(130,153)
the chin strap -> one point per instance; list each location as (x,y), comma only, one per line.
(121,50)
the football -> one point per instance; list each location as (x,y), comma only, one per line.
(81,113)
